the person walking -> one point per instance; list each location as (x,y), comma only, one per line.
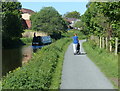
(75,43)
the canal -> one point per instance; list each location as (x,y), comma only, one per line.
(15,57)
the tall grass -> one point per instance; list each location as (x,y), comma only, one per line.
(107,62)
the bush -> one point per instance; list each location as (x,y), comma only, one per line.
(40,72)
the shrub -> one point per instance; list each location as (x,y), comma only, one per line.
(39,72)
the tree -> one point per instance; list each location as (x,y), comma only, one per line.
(11,21)
(73,14)
(48,20)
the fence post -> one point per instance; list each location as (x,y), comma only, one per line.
(110,45)
(97,39)
(100,42)
(103,44)
(116,46)
(106,43)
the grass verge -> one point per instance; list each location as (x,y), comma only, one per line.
(107,62)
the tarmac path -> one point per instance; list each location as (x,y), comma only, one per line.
(79,72)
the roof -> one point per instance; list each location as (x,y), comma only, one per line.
(23,10)
(71,19)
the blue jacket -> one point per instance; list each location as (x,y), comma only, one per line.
(75,40)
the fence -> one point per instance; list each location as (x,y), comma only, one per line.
(110,44)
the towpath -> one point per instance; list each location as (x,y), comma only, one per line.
(79,72)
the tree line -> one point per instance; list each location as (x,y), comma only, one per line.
(101,19)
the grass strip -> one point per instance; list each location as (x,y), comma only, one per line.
(107,62)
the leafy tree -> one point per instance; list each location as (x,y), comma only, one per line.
(48,20)
(73,14)
(79,24)
(102,19)
(111,11)
(11,21)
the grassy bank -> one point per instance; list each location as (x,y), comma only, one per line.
(107,62)
(42,72)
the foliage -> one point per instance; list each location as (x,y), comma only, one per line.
(26,40)
(11,21)
(11,15)
(73,14)
(48,20)
(71,33)
(28,30)
(79,24)
(39,72)
(102,19)
(107,62)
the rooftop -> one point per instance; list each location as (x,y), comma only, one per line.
(23,10)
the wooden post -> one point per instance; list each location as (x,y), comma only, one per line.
(103,44)
(116,46)
(110,45)
(100,43)
(97,41)
(106,43)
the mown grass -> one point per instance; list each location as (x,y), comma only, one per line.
(107,62)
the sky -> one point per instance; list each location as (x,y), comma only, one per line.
(61,7)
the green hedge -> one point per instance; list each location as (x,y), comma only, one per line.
(107,62)
(42,72)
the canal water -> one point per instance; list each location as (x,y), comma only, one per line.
(16,57)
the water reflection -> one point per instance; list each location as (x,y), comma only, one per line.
(14,58)
(11,59)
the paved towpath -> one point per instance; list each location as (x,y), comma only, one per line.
(79,72)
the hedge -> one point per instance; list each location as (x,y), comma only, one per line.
(41,71)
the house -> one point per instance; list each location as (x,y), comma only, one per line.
(71,21)
(26,22)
